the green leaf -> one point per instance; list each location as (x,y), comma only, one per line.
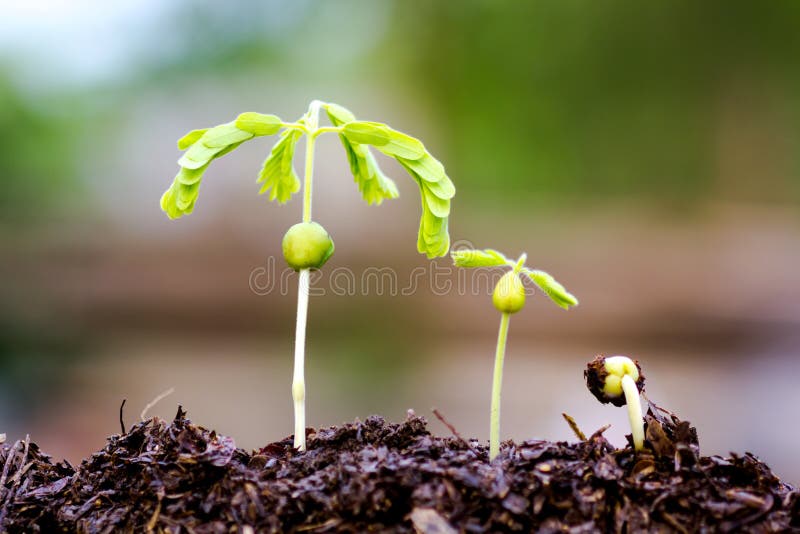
(427,167)
(190,138)
(186,195)
(436,189)
(478,258)
(338,114)
(198,155)
(438,206)
(403,146)
(228,149)
(180,198)
(437,245)
(258,123)
(433,239)
(366,133)
(373,184)
(432,172)
(389,141)
(278,174)
(190,176)
(552,288)
(224,135)
(443,189)
(205,145)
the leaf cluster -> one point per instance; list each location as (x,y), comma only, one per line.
(279,178)
(436,188)
(203,146)
(471,258)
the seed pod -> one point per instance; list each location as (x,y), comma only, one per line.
(509,293)
(307,246)
(604,377)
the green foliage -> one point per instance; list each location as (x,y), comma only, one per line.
(258,123)
(281,181)
(374,186)
(552,288)
(190,138)
(278,174)
(478,258)
(492,258)
(436,189)
(202,146)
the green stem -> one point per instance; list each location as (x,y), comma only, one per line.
(311,123)
(497,384)
(303,284)
(327,129)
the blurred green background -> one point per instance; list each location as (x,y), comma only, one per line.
(647,154)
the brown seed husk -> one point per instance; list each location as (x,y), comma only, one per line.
(595,375)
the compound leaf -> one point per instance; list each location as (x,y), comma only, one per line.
(552,288)
(190,138)
(278,174)
(223,135)
(258,123)
(478,258)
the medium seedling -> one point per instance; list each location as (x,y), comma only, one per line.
(509,297)
(307,245)
(618,380)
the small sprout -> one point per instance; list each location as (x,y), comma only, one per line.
(508,297)
(307,246)
(618,380)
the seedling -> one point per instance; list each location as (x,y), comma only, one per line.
(509,297)
(307,245)
(618,380)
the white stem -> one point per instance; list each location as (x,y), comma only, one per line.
(634,403)
(299,381)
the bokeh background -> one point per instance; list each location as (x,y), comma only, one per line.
(647,154)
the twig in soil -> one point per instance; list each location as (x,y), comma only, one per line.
(574,426)
(161,396)
(599,432)
(12,454)
(451,428)
(121,421)
(151,525)
(15,479)
(321,527)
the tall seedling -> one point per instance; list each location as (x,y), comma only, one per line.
(307,245)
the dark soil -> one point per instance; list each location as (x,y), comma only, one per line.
(380,477)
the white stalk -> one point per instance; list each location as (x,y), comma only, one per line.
(634,404)
(303,284)
(299,381)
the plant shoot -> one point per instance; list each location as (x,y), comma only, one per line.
(618,380)
(307,245)
(508,298)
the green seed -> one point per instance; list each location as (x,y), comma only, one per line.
(509,293)
(307,246)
